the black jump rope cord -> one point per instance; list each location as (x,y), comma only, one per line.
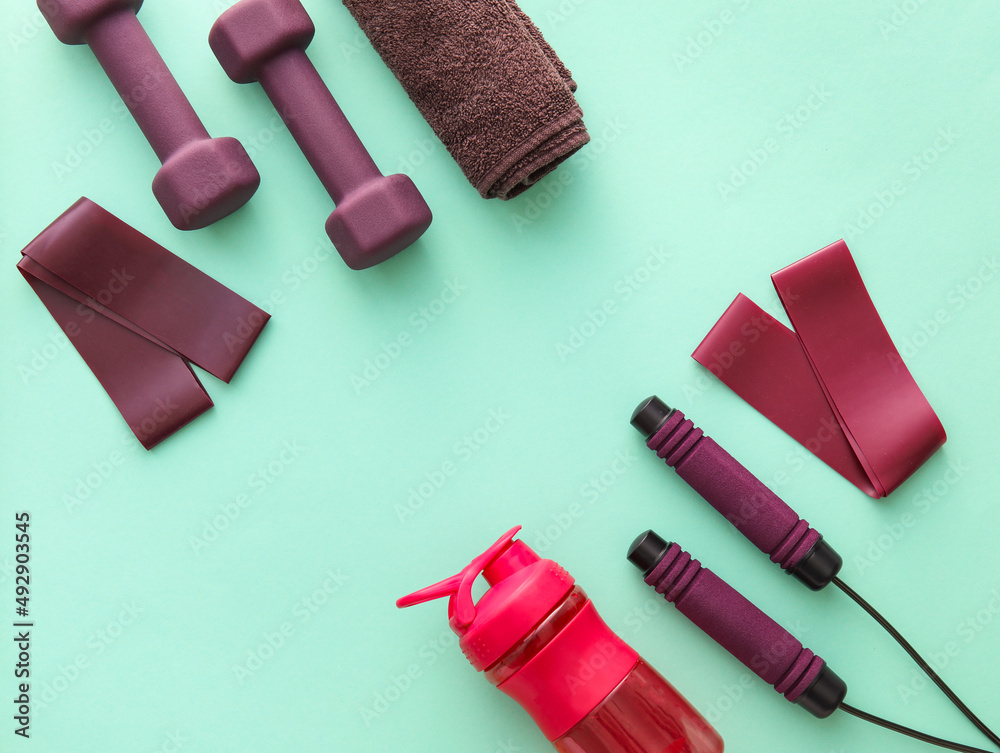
(923,737)
(929,671)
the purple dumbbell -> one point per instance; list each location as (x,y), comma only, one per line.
(376,216)
(202,179)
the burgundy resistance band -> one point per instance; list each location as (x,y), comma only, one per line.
(837,383)
(137,314)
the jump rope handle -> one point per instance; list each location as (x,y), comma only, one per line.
(756,512)
(729,618)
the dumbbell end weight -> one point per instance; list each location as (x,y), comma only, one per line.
(71,19)
(251,33)
(204,181)
(378,220)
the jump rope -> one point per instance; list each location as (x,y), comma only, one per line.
(728,617)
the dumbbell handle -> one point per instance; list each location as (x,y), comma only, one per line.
(131,61)
(756,512)
(729,618)
(317,123)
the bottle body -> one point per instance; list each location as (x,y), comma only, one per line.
(638,711)
(644,714)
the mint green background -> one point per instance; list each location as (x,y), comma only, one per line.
(667,131)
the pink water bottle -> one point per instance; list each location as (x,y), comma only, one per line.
(539,639)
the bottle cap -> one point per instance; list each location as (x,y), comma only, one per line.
(523,589)
(571,669)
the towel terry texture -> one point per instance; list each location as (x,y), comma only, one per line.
(486,81)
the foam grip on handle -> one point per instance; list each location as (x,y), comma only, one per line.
(729,618)
(756,512)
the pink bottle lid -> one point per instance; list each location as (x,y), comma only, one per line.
(575,670)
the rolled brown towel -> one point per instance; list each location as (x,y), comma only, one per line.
(481,74)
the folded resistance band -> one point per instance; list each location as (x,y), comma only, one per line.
(836,384)
(137,314)
(485,80)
